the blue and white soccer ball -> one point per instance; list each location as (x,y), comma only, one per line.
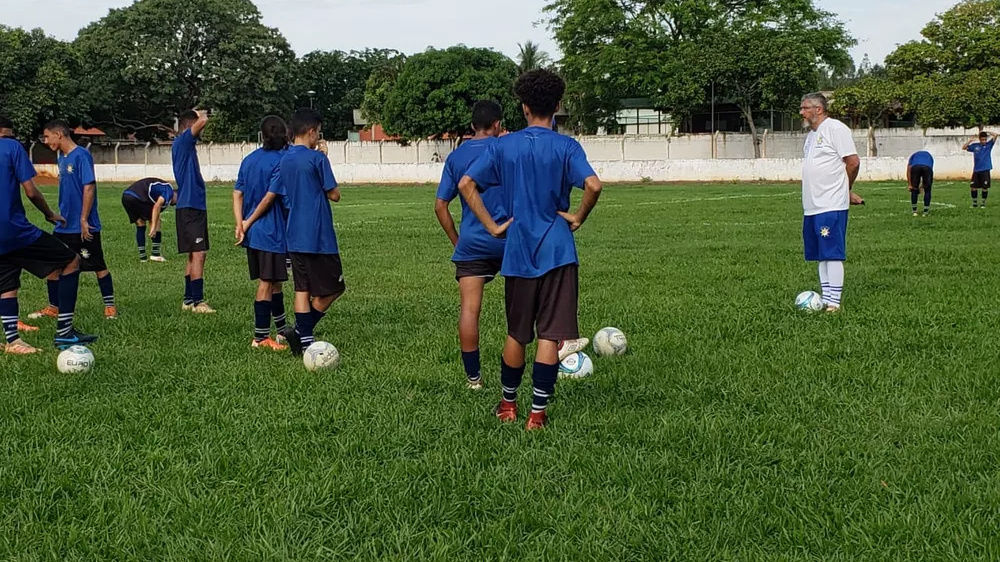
(75,360)
(321,356)
(576,366)
(809,301)
(610,341)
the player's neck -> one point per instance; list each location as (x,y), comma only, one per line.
(480,135)
(303,141)
(543,122)
(819,122)
(67,147)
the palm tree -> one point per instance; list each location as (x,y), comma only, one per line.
(532,57)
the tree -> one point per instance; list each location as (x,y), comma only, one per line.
(378,86)
(531,57)
(967,99)
(870,101)
(436,90)
(37,80)
(151,60)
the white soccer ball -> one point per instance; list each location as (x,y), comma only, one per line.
(809,301)
(610,341)
(76,360)
(576,366)
(321,356)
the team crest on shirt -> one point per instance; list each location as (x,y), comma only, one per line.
(819,140)
(824,232)
(69,168)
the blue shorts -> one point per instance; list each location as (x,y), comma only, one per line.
(825,236)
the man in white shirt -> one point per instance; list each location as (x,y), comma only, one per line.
(829,168)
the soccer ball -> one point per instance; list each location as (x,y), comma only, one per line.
(76,360)
(809,301)
(576,366)
(321,356)
(610,341)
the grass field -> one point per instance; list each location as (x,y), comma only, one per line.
(735,429)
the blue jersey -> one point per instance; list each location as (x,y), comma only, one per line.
(149,191)
(537,169)
(922,158)
(15,168)
(982,156)
(302,181)
(254,180)
(76,170)
(187,172)
(474,242)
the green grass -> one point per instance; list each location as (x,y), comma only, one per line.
(735,428)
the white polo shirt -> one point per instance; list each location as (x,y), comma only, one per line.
(825,186)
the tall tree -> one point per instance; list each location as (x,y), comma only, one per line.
(869,102)
(378,86)
(531,56)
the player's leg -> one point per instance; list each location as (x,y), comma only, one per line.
(140,238)
(92,252)
(10,282)
(188,300)
(557,321)
(319,281)
(914,196)
(471,294)
(278,309)
(928,184)
(832,252)
(521,303)
(197,269)
(157,241)
(984,183)
(974,185)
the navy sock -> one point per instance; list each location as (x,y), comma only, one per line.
(197,291)
(107,289)
(140,240)
(53,287)
(510,380)
(986,192)
(317,316)
(278,311)
(975,196)
(304,328)
(187,290)
(543,378)
(262,320)
(68,286)
(914,195)
(157,238)
(8,317)
(472,367)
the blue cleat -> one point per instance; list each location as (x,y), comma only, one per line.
(74,338)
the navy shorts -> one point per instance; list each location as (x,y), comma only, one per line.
(825,236)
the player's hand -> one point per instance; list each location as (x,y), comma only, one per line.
(573,220)
(856,199)
(240,234)
(499,231)
(57,219)
(85,234)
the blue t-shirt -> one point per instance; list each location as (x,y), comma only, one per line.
(254,180)
(474,242)
(922,158)
(982,155)
(187,172)
(537,169)
(302,181)
(15,168)
(76,170)
(150,190)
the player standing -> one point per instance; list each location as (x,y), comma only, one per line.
(920,175)
(144,202)
(192,213)
(982,158)
(537,169)
(265,241)
(829,168)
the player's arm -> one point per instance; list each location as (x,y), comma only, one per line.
(592,188)
(89,194)
(470,192)
(154,223)
(968,143)
(238,215)
(329,182)
(263,207)
(909,184)
(447,221)
(38,200)
(199,125)
(333,195)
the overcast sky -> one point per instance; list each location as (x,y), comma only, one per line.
(413,25)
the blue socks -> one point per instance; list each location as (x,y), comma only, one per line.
(304,326)
(156,244)
(278,311)
(107,289)
(8,317)
(510,380)
(140,240)
(544,380)
(197,291)
(187,291)
(262,320)
(472,367)
(68,286)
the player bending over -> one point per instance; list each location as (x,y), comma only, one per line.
(144,202)
(920,175)
(982,158)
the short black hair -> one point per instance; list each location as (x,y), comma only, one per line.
(485,113)
(541,90)
(186,119)
(982,134)
(274,133)
(305,120)
(6,123)
(59,126)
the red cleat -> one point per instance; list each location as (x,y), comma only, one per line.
(506,411)
(536,420)
(22,327)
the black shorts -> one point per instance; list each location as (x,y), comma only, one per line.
(267,266)
(548,302)
(487,269)
(921,176)
(192,231)
(981,180)
(137,209)
(320,275)
(91,252)
(40,258)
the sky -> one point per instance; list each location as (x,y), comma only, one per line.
(413,25)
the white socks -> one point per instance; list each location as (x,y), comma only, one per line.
(831,279)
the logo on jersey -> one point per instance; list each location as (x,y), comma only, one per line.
(69,168)
(824,232)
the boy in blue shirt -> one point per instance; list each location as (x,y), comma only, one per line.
(78,204)
(144,202)
(25,246)
(265,243)
(920,175)
(537,169)
(982,155)
(192,214)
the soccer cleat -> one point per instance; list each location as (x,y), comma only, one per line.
(536,420)
(569,347)
(18,347)
(110,313)
(915,213)
(202,308)
(474,384)
(187,307)
(22,327)
(268,343)
(47,312)
(294,341)
(158,259)
(506,411)
(281,339)
(831,309)
(73,338)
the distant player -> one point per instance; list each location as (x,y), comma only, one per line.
(264,233)
(537,169)
(144,202)
(6,128)
(920,175)
(192,213)
(82,229)
(982,157)
(830,166)
(25,246)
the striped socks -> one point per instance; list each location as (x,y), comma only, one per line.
(262,320)
(831,276)
(510,380)
(68,286)
(157,238)
(140,240)
(107,290)
(543,379)
(8,317)
(470,359)
(305,323)
(278,311)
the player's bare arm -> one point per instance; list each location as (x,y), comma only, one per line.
(909,184)
(38,200)
(89,194)
(853,164)
(200,124)
(154,223)
(467,187)
(238,216)
(334,195)
(447,221)
(262,208)
(592,187)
